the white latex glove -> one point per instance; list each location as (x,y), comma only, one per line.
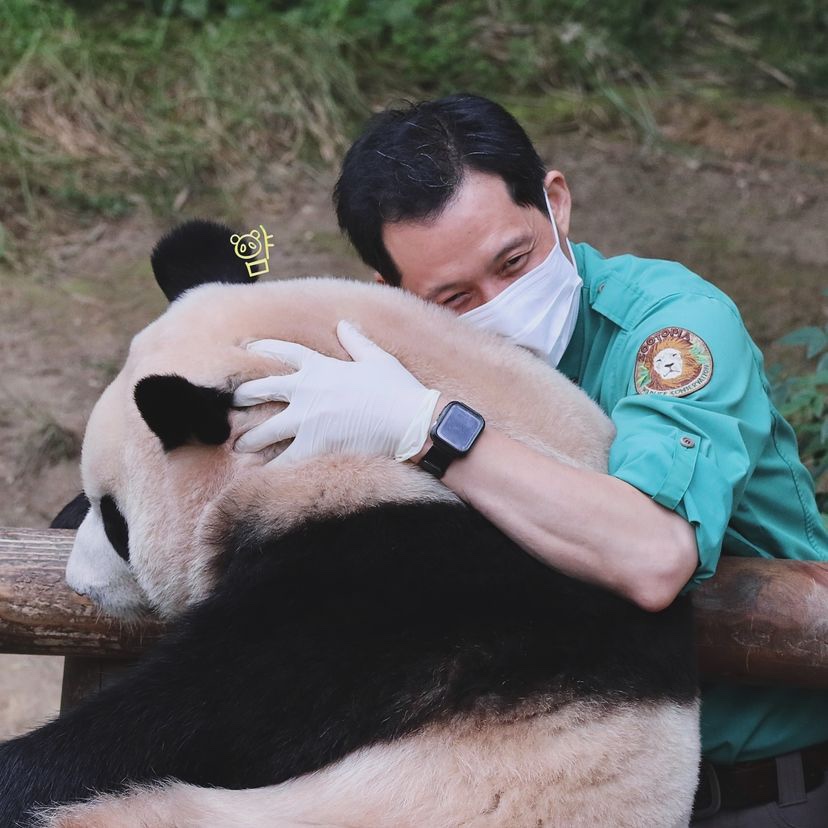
(371,406)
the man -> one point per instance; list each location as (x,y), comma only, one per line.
(449,200)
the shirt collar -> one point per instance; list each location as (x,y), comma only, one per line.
(570,362)
(607,291)
(613,291)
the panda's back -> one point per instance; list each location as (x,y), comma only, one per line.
(362,628)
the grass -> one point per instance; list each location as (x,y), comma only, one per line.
(105,105)
(801,398)
(46,445)
(94,111)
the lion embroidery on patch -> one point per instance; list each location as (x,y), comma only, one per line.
(672,361)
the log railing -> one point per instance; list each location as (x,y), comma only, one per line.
(758,621)
(41,615)
(764,622)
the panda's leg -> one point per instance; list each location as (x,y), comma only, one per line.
(583,766)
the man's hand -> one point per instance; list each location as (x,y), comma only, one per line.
(371,406)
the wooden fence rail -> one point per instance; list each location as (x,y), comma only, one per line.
(758,621)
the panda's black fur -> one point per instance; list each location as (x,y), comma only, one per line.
(72,514)
(341,633)
(178,258)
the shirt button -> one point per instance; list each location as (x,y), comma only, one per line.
(601,286)
(687,442)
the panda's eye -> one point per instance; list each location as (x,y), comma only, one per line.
(115,527)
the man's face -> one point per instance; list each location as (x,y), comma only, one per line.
(478,245)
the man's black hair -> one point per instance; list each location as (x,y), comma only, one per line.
(409,163)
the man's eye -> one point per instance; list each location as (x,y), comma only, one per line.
(515,260)
(453,299)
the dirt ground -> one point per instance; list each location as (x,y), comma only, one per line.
(751,216)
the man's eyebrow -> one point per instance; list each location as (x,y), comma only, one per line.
(517,241)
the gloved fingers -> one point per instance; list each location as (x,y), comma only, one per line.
(281,426)
(358,345)
(291,353)
(266,389)
(292,454)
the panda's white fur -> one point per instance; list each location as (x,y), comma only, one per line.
(574,765)
(576,768)
(96,571)
(202,337)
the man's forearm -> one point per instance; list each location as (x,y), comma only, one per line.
(589,525)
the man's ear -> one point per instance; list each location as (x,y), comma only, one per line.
(378,279)
(560,198)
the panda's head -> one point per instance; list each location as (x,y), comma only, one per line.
(166,487)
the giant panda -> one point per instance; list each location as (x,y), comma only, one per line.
(349,645)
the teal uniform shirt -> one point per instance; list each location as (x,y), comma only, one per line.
(667,356)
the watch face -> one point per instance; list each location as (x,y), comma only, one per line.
(459,428)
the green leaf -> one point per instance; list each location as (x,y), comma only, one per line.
(195,9)
(237,9)
(814,339)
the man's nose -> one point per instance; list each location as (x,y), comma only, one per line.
(489,289)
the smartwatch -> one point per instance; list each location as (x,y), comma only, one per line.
(453,436)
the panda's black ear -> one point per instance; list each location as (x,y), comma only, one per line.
(181,413)
(72,514)
(195,253)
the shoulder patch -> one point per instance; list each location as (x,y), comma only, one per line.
(672,361)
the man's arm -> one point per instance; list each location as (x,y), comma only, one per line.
(677,467)
(589,525)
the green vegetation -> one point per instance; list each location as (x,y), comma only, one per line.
(527,45)
(100,104)
(105,106)
(103,100)
(801,399)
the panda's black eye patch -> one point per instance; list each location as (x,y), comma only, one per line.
(115,526)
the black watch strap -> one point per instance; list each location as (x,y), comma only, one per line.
(436,460)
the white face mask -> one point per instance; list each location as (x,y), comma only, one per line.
(539,309)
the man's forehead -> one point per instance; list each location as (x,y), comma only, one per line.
(481,223)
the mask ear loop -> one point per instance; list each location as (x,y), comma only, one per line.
(552,218)
(555,230)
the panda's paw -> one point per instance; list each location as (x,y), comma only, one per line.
(72,816)
(135,809)
(82,816)
(176,805)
